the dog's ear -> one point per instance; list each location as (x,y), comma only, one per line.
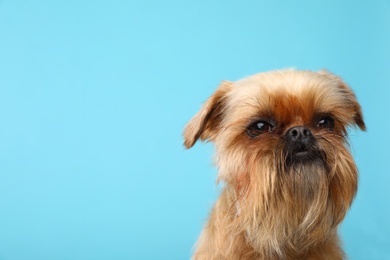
(357,110)
(206,122)
(358,114)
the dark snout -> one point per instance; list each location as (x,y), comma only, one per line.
(301,146)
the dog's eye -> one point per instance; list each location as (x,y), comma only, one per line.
(259,127)
(326,122)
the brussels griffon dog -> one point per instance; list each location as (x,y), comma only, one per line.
(282,152)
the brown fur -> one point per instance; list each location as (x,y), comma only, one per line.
(268,210)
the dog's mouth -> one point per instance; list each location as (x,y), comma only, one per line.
(304,153)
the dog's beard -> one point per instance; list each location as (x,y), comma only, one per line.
(288,201)
(302,172)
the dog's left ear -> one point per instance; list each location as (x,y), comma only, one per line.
(206,122)
(357,110)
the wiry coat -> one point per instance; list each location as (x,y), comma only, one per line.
(271,209)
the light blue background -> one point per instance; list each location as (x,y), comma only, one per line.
(94,96)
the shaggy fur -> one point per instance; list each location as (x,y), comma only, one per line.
(273,205)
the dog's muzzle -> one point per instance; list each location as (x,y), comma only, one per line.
(301,146)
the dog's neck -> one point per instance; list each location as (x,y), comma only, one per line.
(280,231)
(292,217)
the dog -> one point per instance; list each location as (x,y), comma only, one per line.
(283,156)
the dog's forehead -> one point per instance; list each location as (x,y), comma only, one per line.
(285,82)
(288,90)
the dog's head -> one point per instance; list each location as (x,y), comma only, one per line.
(281,145)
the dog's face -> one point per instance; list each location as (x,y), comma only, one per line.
(281,147)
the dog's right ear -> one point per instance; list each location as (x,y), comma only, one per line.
(205,123)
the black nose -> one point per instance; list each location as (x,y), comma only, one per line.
(298,133)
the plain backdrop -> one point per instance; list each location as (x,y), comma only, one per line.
(94,96)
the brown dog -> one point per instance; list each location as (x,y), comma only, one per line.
(282,152)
